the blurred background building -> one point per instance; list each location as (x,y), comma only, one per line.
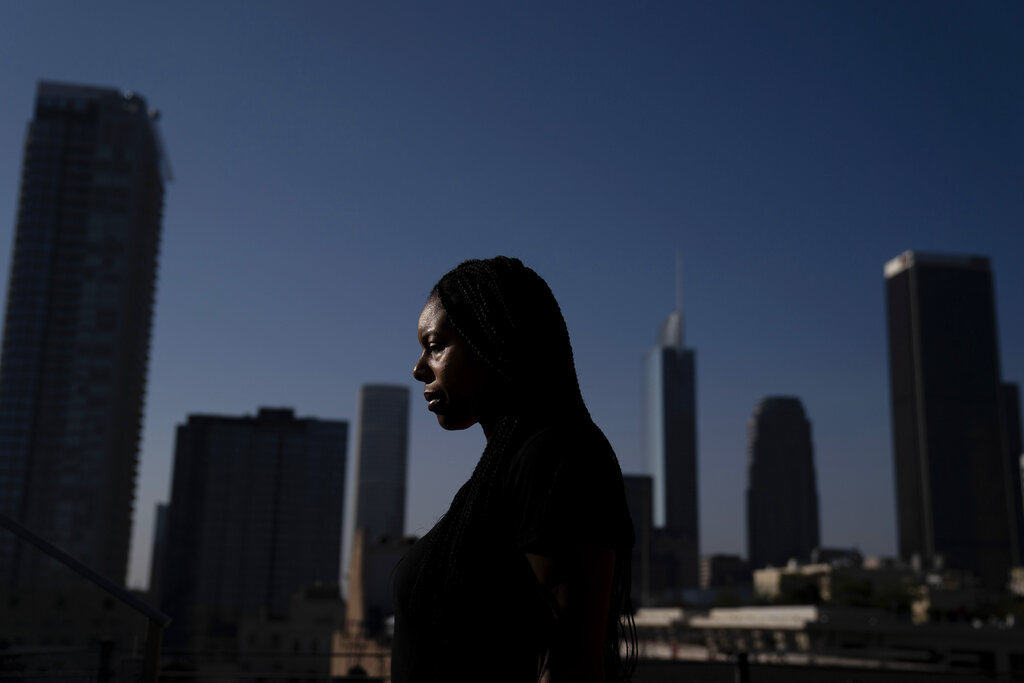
(670,447)
(722,570)
(1010,395)
(382,460)
(158,555)
(952,467)
(782,493)
(382,453)
(255,516)
(77,328)
(638,498)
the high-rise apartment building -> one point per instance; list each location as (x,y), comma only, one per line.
(952,474)
(670,447)
(383,459)
(255,516)
(782,493)
(77,328)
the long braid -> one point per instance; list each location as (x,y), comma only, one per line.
(489,303)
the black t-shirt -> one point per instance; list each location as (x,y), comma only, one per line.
(562,490)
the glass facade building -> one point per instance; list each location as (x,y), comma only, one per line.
(670,447)
(952,473)
(77,328)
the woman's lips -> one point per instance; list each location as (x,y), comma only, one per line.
(434,400)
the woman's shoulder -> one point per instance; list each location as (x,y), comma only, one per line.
(565,483)
(568,448)
(566,438)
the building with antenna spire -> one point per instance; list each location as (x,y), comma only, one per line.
(670,450)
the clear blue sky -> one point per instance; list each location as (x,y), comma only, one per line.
(333,159)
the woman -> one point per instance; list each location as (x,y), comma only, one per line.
(527,576)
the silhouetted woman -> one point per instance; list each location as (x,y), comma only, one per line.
(527,575)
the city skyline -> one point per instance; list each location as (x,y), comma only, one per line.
(326,180)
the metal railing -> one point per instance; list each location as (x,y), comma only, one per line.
(157,620)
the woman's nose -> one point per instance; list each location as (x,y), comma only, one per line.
(420,372)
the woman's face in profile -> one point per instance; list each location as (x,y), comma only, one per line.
(457,383)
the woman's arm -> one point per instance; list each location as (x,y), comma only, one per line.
(580,584)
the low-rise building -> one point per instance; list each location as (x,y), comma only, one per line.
(295,645)
(873,583)
(1017,581)
(724,571)
(818,634)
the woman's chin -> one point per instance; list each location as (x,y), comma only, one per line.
(453,424)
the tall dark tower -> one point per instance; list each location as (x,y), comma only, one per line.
(77,327)
(952,475)
(670,445)
(782,494)
(382,461)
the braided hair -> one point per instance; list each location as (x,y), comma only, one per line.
(506,314)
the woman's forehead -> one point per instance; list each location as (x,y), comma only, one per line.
(432,317)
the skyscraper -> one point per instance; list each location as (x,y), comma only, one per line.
(670,446)
(952,476)
(77,327)
(381,464)
(782,494)
(383,457)
(255,515)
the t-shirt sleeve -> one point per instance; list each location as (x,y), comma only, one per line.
(566,490)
